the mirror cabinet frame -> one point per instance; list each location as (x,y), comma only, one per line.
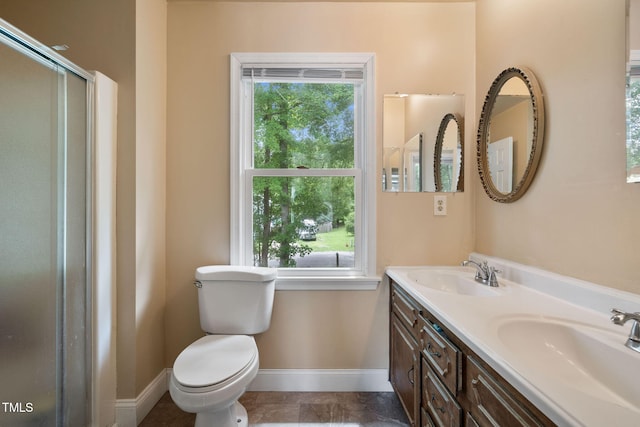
(537,137)
(424,117)
(438,151)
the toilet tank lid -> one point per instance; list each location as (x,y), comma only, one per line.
(236,273)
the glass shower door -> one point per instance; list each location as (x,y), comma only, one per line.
(43,245)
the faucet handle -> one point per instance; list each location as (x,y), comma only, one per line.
(493,278)
(620,318)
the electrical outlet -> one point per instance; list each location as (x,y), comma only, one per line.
(439,205)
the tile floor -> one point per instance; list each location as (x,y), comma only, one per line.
(279,409)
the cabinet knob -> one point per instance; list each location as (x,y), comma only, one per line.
(415,316)
(432,352)
(474,386)
(438,408)
(410,375)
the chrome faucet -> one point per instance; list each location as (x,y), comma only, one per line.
(620,318)
(485,274)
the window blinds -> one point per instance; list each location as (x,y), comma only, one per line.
(350,75)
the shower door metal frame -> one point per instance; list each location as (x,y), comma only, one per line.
(42,54)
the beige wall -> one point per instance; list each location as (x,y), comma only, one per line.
(420,48)
(579,217)
(151,118)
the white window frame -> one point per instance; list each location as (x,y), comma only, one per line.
(633,69)
(363,275)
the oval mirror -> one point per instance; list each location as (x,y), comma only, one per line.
(448,161)
(510,135)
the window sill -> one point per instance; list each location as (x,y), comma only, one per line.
(338,283)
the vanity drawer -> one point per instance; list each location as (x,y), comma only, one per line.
(443,356)
(442,408)
(491,403)
(406,310)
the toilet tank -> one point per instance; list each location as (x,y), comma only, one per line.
(235,300)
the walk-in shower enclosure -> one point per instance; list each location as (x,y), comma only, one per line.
(45,236)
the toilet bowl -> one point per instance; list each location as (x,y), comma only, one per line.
(211,374)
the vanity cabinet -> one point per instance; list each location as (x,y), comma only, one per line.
(441,382)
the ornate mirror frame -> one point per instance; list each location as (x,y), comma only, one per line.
(437,157)
(537,137)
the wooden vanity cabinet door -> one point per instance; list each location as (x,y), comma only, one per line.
(405,369)
(443,356)
(443,408)
(491,404)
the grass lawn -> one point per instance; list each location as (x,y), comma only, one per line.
(336,240)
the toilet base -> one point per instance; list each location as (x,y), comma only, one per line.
(232,416)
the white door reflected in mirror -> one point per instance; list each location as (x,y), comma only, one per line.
(501,164)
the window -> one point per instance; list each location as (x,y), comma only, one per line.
(303,167)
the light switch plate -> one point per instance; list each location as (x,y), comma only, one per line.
(439,205)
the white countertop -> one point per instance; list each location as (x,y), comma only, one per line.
(559,386)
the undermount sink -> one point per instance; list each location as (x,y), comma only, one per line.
(587,359)
(454,281)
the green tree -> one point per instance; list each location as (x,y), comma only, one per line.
(299,126)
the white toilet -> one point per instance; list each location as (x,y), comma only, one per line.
(212,373)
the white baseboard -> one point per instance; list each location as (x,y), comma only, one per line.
(130,412)
(370,380)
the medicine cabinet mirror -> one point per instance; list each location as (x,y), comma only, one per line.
(423,143)
(510,135)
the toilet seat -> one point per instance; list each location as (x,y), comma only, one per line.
(213,361)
